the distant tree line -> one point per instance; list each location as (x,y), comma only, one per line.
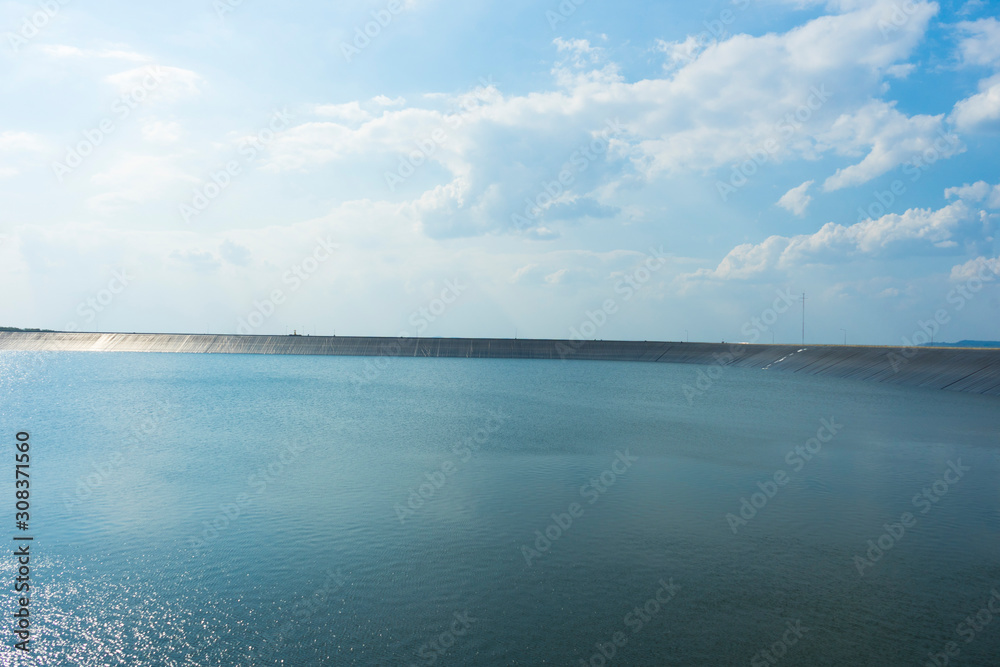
(27,330)
(965,343)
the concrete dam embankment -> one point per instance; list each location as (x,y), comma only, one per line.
(972,370)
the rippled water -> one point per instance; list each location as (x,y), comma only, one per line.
(231,509)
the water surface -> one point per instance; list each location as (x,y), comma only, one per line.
(243,509)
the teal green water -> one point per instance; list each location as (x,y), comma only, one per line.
(239,509)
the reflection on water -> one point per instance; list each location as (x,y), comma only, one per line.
(218,510)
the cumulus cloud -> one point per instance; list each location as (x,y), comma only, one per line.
(580,51)
(808,90)
(796,200)
(890,137)
(981,42)
(162,82)
(977,268)
(980,111)
(976,192)
(745,91)
(913,232)
(679,54)
(980,46)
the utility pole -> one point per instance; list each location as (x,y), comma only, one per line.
(803,318)
(845,336)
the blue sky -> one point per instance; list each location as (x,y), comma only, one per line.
(660,170)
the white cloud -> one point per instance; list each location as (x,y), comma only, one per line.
(579,48)
(730,98)
(679,54)
(979,192)
(972,6)
(161,82)
(579,66)
(980,111)
(556,277)
(975,192)
(915,231)
(890,137)
(901,71)
(523,273)
(349,112)
(135,178)
(796,200)
(981,46)
(978,268)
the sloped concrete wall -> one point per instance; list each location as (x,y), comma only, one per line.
(973,370)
